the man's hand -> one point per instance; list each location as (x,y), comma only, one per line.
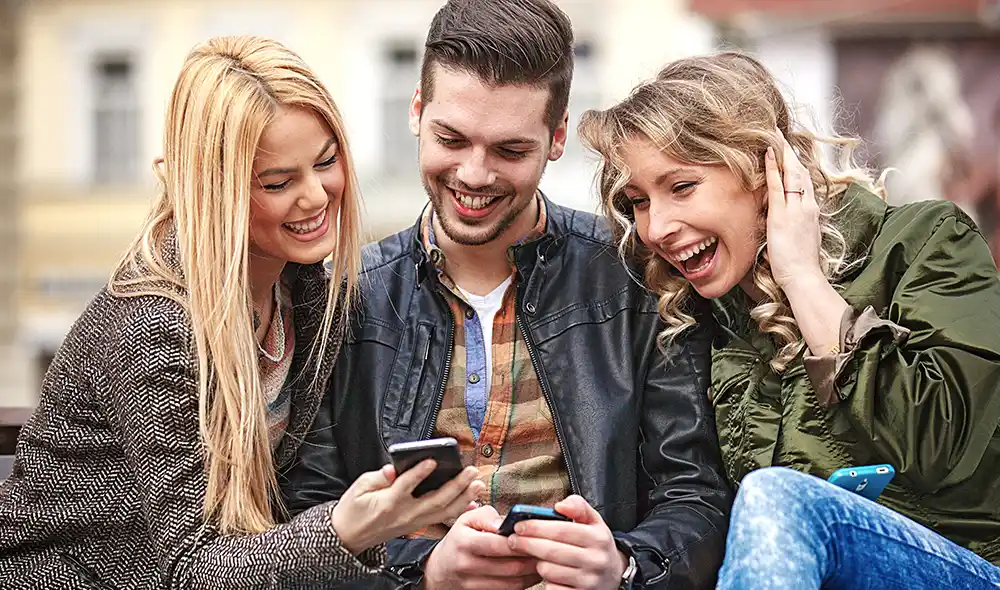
(572,555)
(472,555)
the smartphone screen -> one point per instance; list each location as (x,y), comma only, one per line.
(443,450)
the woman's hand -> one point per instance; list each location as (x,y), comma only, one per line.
(793,234)
(380,506)
(793,242)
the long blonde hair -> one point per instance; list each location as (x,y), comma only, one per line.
(228,91)
(721,109)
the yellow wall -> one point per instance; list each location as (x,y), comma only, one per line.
(73,231)
(68,226)
(173,26)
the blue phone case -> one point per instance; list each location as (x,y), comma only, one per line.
(525,512)
(867,481)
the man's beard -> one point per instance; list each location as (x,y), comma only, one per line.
(479,235)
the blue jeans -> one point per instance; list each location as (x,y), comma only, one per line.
(791,530)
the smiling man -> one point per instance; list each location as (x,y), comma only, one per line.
(507,322)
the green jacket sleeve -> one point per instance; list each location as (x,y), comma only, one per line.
(924,385)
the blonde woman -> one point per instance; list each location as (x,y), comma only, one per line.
(188,383)
(849,333)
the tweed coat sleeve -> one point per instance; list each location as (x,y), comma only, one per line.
(152,400)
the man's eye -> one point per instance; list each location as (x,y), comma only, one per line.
(512,154)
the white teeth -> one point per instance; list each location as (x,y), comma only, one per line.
(686,254)
(306,227)
(474,202)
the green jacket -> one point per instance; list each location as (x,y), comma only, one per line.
(917,387)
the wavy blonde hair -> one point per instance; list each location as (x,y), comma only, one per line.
(719,110)
(228,91)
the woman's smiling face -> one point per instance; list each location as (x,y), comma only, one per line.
(698,218)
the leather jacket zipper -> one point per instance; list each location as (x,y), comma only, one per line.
(444,377)
(573,487)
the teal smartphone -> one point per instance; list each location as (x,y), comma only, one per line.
(867,480)
(525,512)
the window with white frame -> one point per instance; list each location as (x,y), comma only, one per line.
(401,72)
(108,80)
(115,118)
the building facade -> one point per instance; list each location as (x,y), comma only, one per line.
(918,81)
(94,81)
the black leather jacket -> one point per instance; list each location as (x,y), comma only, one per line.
(636,430)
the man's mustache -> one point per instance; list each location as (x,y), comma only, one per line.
(486,191)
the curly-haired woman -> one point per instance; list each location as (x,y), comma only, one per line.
(850,332)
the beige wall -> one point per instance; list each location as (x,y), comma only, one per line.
(73,230)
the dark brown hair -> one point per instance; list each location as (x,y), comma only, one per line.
(504,42)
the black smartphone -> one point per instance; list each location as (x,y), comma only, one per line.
(443,450)
(525,512)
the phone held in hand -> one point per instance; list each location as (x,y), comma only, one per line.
(443,450)
(867,480)
(525,512)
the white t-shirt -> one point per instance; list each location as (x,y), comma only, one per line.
(486,307)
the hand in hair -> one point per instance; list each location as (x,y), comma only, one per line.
(793,229)
(793,250)
(380,506)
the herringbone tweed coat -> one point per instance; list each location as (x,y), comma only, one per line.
(108,482)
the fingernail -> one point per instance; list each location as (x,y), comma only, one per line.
(770,153)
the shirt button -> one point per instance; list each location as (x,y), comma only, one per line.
(474,378)
(469,314)
(487,451)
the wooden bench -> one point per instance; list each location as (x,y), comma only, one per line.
(11,421)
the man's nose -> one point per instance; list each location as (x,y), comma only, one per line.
(474,170)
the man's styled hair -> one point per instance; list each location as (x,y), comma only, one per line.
(504,42)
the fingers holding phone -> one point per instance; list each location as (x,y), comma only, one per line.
(473,555)
(573,546)
(380,505)
(444,451)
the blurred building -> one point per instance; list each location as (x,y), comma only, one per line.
(84,86)
(93,82)
(918,80)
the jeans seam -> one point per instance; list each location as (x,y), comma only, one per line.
(899,542)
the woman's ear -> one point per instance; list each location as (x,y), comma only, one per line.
(760,198)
